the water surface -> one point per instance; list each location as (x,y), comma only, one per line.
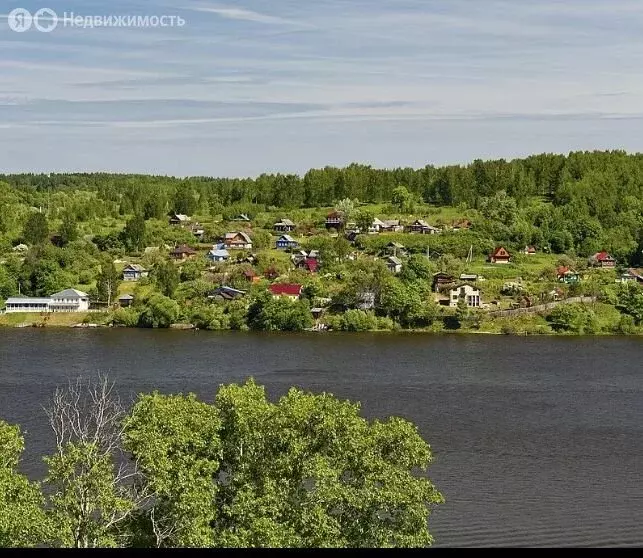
(538,441)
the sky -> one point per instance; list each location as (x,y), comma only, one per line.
(253,86)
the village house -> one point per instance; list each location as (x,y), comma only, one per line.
(291,291)
(461,225)
(183,252)
(218,253)
(394,264)
(395,248)
(134,272)
(441,281)
(632,275)
(285,241)
(469,293)
(198,231)
(179,219)
(226,293)
(566,275)
(69,300)
(500,256)
(392,225)
(376,226)
(125,301)
(285,225)
(603,260)
(251,276)
(237,241)
(422,227)
(334,220)
(529,251)
(271,273)
(308,264)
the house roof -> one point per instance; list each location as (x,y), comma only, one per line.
(286,238)
(602,256)
(286,222)
(638,273)
(394,260)
(378,222)
(500,252)
(311,264)
(221,253)
(70,293)
(233,235)
(530,249)
(183,249)
(241,217)
(334,215)
(134,267)
(392,222)
(286,289)
(473,287)
(27,300)
(394,245)
(126,297)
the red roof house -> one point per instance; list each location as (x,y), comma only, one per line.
(603,259)
(292,291)
(309,264)
(500,256)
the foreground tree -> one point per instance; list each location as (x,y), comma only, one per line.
(22,518)
(307,471)
(91,493)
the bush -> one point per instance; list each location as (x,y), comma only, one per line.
(358,320)
(127,317)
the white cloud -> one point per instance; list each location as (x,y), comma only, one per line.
(242,14)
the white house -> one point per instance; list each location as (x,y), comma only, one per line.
(218,253)
(69,300)
(394,264)
(470,294)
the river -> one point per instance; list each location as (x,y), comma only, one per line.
(538,441)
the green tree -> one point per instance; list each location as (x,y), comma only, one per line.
(160,311)
(402,199)
(108,281)
(22,517)
(134,233)
(89,494)
(68,228)
(167,277)
(36,229)
(364,220)
(307,471)
(279,314)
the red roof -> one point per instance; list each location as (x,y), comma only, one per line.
(500,253)
(311,264)
(603,256)
(286,289)
(562,270)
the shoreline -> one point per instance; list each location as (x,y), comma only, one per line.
(190,327)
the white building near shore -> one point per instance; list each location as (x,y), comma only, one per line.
(69,300)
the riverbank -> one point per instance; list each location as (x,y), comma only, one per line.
(518,326)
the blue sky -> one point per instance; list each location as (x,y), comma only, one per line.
(255,86)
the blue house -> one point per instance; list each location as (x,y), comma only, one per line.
(286,241)
(218,254)
(134,272)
